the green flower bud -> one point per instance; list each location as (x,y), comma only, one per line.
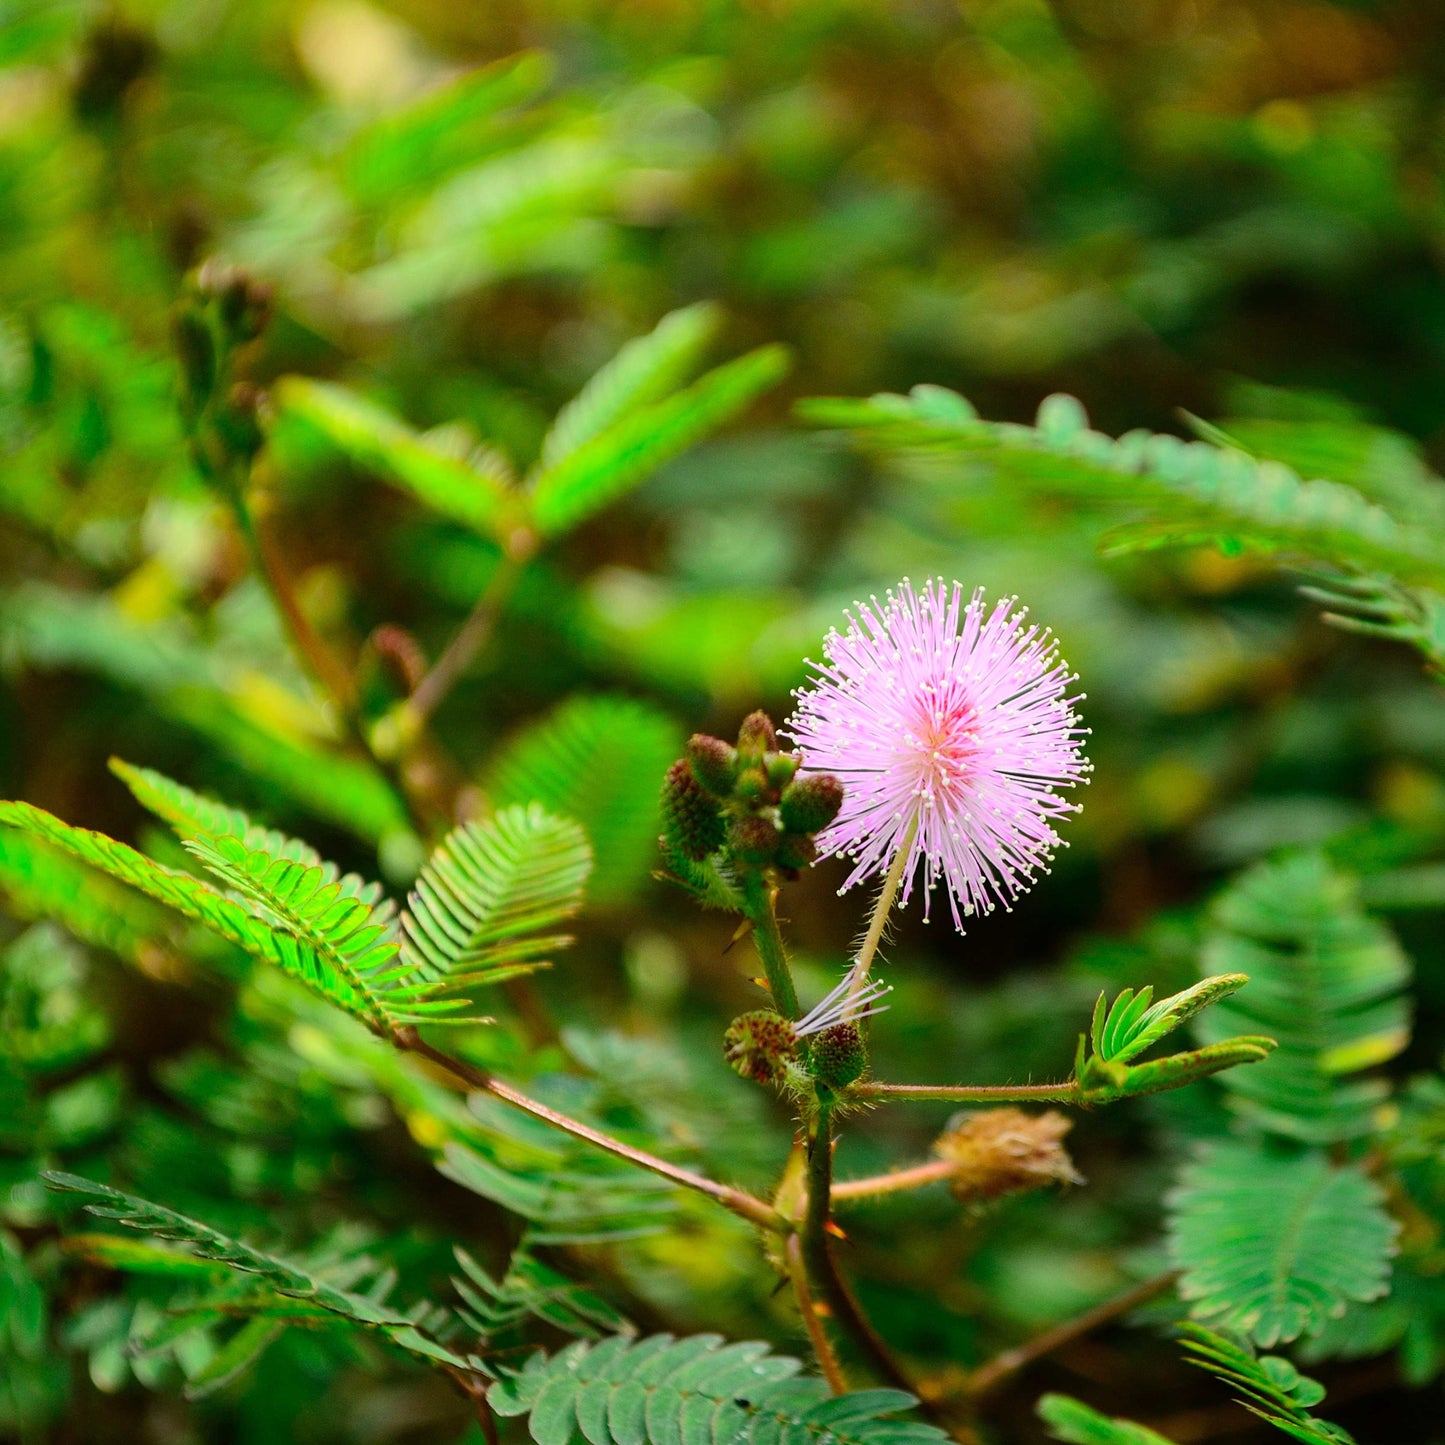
(753,840)
(752,787)
(810,804)
(757,736)
(836,1056)
(780,768)
(759,1045)
(692,822)
(714,763)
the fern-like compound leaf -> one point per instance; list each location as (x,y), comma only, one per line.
(1328,983)
(602,469)
(1272,1244)
(694,1391)
(598,760)
(373,438)
(1272,1388)
(642,372)
(1189,492)
(320,1291)
(1075,1423)
(196,900)
(487,901)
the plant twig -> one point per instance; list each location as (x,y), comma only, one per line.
(333,678)
(1065,1093)
(991,1375)
(761,906)
(933,1172)
(812,1320)
(471,637)
(743,1204)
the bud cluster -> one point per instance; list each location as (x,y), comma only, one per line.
(746,798)
(222,310)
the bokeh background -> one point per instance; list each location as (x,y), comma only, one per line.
(1226,208)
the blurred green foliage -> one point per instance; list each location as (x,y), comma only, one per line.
(545,280)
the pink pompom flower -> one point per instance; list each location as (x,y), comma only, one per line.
(951,729)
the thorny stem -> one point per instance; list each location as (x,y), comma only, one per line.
(471,637)
(812,1320)
(1065,1093)
(881,909)
(761,906)
(991,1375)
(743,1204)
(900,1179)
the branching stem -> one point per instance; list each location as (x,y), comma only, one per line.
(743,1204)
(1003,1366)
(823,1269)
(471,637)
(333,678)
(812,1320)
(933,1172)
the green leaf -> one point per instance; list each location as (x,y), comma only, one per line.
(642,372)
(1274,1245)
(1074,1422)
(331,932)
(373,438)
(599,760)
(281,1277)
(39,882)
(1189,492)
(236,1356)
(670,1392)
(1120,1032)
(447,128)
(1273,1389)
(600,470)
(486,896)
(1328,982)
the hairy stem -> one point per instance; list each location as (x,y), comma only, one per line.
(761,906)
(991,1375)
(933,1172)
(471,637)
(812,1320)
(1065,1093)
(743,1204)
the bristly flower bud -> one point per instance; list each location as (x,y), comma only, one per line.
(759,1045)
(1005,1151)
(757,737)
(753,840)
(714,763)
(811,803)
(836,1056)
(692,820)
